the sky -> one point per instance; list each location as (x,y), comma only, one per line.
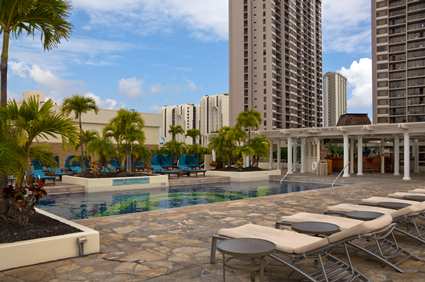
(142,54)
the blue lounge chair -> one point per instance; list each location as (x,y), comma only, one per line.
(40,175)
(76,169)
(140,165)
(187,169)
(58,172)
(159,169)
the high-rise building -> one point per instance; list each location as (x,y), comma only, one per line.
(276,61)
(214,114)
(334,98)
(398,42)
(186,115)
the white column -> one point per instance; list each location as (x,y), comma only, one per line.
(278,155)
(382,150)
(396,156)
(271,156)
(303,149)
(295,156)
(352,155)
(318,150)
(360,156)
(406,157)
(290,159)
(416,156)
(346,156)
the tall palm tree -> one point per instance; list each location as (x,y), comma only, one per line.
(193,133)
(80,105)
(249,121)
(260,148)
(48,17)
(127,130)
(175,130)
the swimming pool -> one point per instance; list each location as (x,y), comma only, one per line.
(79,206)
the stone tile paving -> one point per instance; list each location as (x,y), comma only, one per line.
(173,245)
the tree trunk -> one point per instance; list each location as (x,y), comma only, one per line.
(82,160)
(3,68)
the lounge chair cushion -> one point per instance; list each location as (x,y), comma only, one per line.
(353,207)
(350,227)
(377,200)
(342,222)
(419,191)
(402,195)
(366,227)
(285,240)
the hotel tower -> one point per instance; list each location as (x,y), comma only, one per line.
(276,61)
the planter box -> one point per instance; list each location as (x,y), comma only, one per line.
(245,176)
(23,253)
(92,185)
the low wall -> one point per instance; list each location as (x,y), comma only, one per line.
(29,252)
(244,176)
(92,185)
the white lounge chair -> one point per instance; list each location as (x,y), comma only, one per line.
(419,197)
(293,247)
(376,239)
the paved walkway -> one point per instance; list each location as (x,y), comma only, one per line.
(173,245)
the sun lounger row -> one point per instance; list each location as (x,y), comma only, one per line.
(312,257)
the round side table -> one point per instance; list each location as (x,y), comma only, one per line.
(253,251)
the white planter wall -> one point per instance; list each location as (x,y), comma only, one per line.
(24,253)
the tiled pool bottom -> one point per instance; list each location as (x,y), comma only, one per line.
(79,206)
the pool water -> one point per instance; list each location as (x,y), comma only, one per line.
(79,206)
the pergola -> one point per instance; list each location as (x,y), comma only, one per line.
(310,141)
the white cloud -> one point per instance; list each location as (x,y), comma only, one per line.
(346,25)
(107,103)
(54,86)
(130,87)
(206,19)
(359,76)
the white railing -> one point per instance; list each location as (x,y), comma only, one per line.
(339,176)
(285,177)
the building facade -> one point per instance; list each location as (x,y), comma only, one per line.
(185,115)
(97,122)
(334,98)
(398,42)
(214,114)
(276,61)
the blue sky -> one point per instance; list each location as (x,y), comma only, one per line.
(142,54)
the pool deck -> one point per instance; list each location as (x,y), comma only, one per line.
(173,245)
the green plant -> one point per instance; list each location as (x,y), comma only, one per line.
(249,121)
(175,130)
(193,133)
(49,18)
(79,105)
(127,130)
(101,148)
(21,125)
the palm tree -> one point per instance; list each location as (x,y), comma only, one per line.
(80,105)
(101,147)
(193,133)
(47,17)
(127,130)
(249,121)
(175,130)
(260,147)
(34,120)
(86,138)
